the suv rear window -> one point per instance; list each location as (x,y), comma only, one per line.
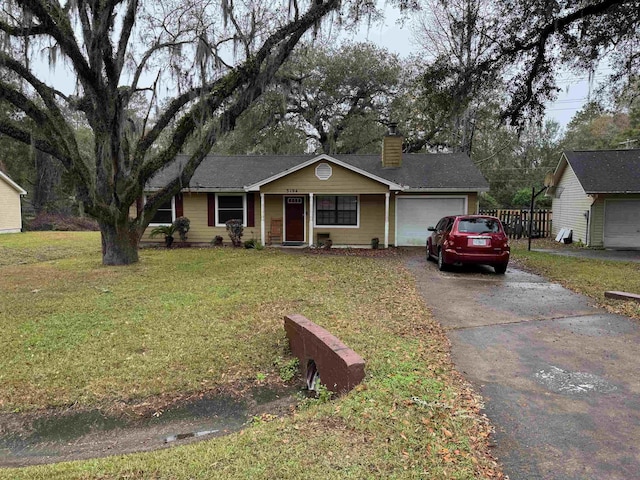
(478,225)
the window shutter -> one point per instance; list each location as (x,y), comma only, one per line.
(179,206)
(251,210)
(211,209)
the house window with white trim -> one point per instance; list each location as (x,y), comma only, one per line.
(337,210)
(230,207)
(165,214)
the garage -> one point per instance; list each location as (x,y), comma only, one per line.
(415,214)
(622,223)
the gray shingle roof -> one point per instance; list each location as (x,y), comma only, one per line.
(418,171)
(606,171)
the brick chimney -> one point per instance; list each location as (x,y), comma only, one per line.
(392,147)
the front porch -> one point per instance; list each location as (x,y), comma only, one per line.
(308,219)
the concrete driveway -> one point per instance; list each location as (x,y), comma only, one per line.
(560,378)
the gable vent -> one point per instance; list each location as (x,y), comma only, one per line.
(324,171)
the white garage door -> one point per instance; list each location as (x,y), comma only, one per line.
(622,224)
(415,215)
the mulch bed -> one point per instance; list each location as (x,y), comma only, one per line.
(357,252)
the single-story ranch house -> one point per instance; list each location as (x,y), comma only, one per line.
(10,206)
(596,194)
(306,199)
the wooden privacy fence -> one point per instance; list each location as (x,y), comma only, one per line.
(516,222)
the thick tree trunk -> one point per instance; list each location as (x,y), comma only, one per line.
(119,244)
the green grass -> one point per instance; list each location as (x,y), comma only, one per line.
(33,247)
(588,276)
(190,320)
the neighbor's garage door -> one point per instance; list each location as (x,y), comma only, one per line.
(415,215)
(622,224)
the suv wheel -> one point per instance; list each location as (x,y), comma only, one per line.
(500,268)
(441,265)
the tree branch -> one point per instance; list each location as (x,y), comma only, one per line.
(255,76)
(538,47)
(127,28)
(16,132)
(222,88)
(61,30)
(14,31)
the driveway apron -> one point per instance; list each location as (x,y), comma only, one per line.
(560,377)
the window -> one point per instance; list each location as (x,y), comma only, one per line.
(340,210)
(164,215)
(230,207)
(478,225)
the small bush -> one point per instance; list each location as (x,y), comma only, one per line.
(253,243)
(182,225)
(235,230)
(287,369)
(167,231)
(217,241)
(60,222)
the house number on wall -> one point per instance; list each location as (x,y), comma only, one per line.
(292,190)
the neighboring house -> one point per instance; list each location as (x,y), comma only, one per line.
(350,199)
(10,205)
(597,195)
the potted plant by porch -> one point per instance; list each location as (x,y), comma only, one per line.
(167,231)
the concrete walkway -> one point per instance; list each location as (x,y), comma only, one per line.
(560,378)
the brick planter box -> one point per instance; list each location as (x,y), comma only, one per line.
(340,368)
(622,296)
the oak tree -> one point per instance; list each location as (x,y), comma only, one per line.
(196,65)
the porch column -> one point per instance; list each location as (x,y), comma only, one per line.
(263,238)
(386,220)
(311,210)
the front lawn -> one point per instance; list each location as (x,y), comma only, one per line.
(76,333)
(588,276)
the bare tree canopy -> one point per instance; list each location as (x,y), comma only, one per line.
(214,57)
(472,44)
(538,37)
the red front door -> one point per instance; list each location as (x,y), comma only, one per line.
(294,219)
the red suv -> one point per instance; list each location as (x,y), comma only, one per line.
(467,239)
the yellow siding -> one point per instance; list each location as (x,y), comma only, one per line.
(472,204)
(597,223)
(342,181)
(371,211)
(371,224)
(568,210)
(273,209)
(10,211)
(195,209)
